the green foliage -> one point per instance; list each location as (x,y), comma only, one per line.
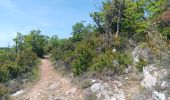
(35,74)
(135,20)
(166,32)
(102,61)
(85,83)
(20,62)
(26,57)
(143,45)
(13,65)
(154,7)
(142,63)
(120,43)
(109,18)
(63,50)
(4,92)
(4,74)
(18,42)
(6,59)
(57,54)
(54,41)
(80,30)
(88,48)
(124,60)
(82,61)
(36,42)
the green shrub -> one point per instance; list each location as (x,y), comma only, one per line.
(7,56)
(82,61)
(4,92)
(142,63)
(143,45)
(26,57)
(85,83)
(63,50)
(102,61)
(4,74)
(124,60)
(14,65)
(77,37)
(120,43)
(35,74)
(166,32)
(67,54)
(14,69)
(57,54)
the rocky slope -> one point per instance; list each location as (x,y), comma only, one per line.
(151,84)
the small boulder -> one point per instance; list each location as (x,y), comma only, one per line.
(106,91)
(96,87)
(149,80)
(18,93)
(158,95)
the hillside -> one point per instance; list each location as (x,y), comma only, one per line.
(123,55)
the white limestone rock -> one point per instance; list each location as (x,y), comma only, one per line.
(142,52)
(18,93)
(149,80)
(96,87)
(106,92)
(164,84)
(158,95)
(154,76)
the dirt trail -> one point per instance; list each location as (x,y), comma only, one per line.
(51,86)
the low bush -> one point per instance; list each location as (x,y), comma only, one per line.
(14,65)
(85,83)
(4,92)
(4,74)
(124,59)
(101,62)
(82,61)
(141,63)
(166,32)
(112,62)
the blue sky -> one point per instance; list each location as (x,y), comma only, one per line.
(52,17)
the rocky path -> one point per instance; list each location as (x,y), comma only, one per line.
(51,86)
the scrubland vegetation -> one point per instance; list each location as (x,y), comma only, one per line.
(119,26)
(20,62)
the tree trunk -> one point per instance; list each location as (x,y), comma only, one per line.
(118,21)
